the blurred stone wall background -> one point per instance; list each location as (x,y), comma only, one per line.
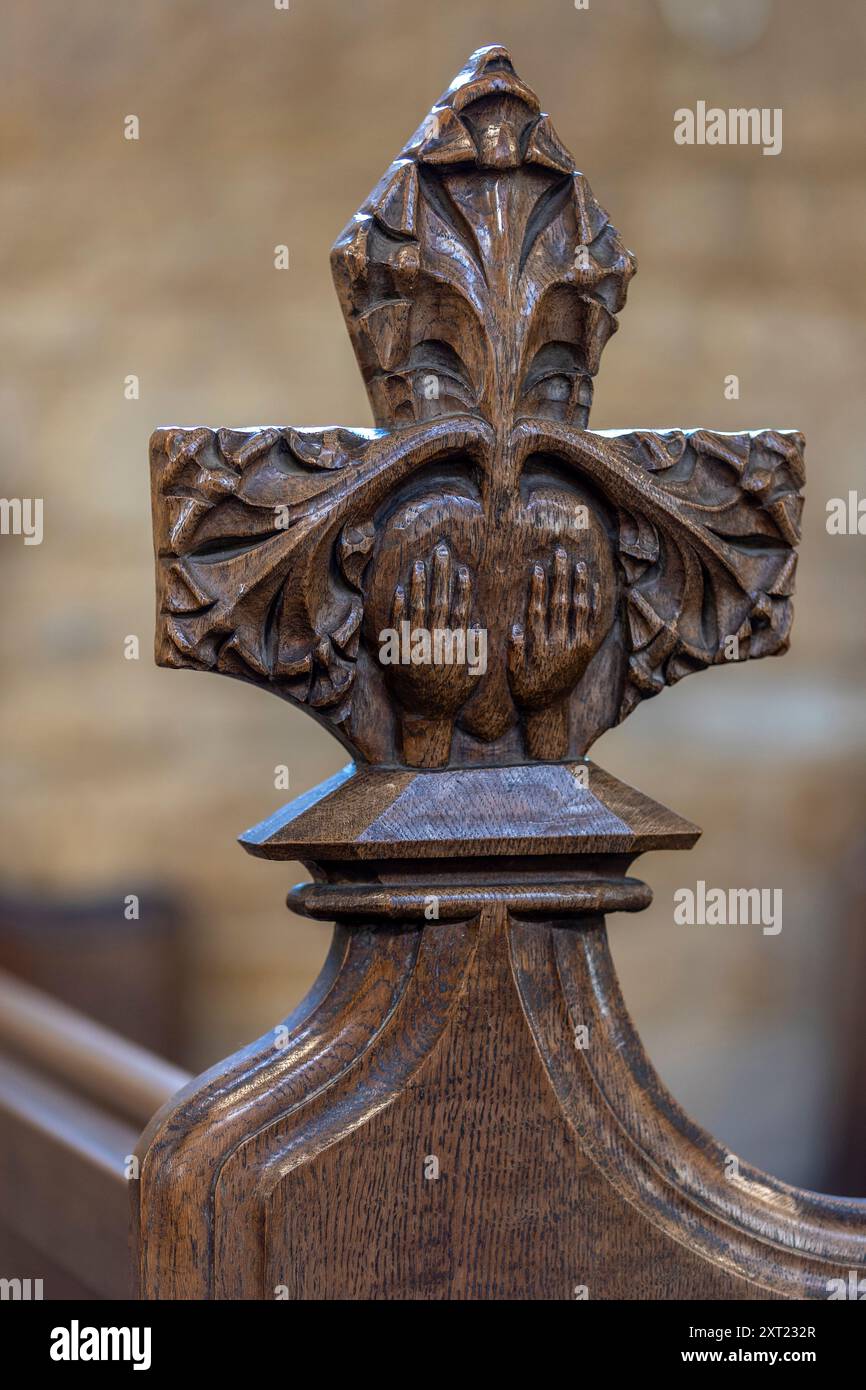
(155,257)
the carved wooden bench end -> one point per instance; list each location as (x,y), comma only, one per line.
(468,595)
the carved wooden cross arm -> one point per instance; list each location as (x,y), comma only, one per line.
(480,283)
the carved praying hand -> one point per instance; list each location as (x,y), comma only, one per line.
(433,658)
(548,655)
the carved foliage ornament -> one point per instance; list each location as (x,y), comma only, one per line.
(582,570)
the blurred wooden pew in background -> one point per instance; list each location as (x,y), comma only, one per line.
(74,1097)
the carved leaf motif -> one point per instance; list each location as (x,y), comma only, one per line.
(482,234)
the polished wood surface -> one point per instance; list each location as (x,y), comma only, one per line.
(461,1108)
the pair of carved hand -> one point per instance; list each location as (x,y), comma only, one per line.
(548,645)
